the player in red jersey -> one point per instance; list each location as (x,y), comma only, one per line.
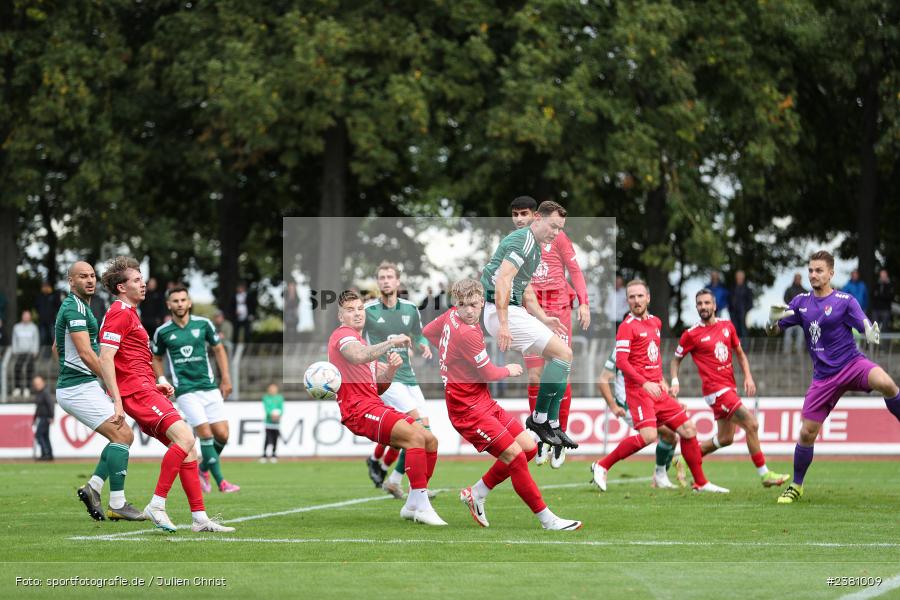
(465,371)
(555,296)
(638,356)
(125,361)
(711,342)
(364,413)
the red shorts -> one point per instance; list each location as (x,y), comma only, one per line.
(647,411)
(375,422)
(724,405)
(564,315)
(487,427)
(153,412)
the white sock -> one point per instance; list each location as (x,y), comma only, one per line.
(96,483)
(546,516)
(762,470)
(554,423)
(395,477)
(158,502)
(117,499)
(539,417)
(199,516)
(480,490)
(660,469)
(420,500)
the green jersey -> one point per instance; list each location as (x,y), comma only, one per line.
(403,319)
(619,388)
(74,315)
(185,348)
(270,403)
(521,249)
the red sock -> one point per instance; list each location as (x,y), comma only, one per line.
(532,395)
(564,405)
(690,450)
(496,475)
(390,456)
(524,484)
(379,451)
(190,482)
(430,461)
(529,454)
(758,459)
(417,468)
(168,470)
(626,448)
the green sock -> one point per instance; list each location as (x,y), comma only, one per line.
(211,458)
(117,462)
(400,465)
(553,385)
(102,469)
(664,453)
(219,446)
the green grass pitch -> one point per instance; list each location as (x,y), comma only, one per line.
(319,529)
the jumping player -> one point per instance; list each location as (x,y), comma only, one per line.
(465,370)
(828,318)
(711,343)
(363,412)
(125,362)
(638,356)
(555,296)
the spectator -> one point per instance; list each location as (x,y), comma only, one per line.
(620,301)
(244,312)
(26,342)
(882,299)
(224,328)
(793,336)
(291,311)
(426,307)
(47,304)
(43,417)
(856,287)
(273,405)
(720,292)
(441,302)
(2,316)
(153,308)
(740,303)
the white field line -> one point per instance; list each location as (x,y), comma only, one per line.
(872,592)
(302,509)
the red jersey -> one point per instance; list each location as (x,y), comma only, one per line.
(357,381)
(465,365)
(549,279)
(122,330)
(638,353)
(711,347)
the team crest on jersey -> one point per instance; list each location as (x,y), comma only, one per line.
(186,351)
(721,352)
(405,319)
(828,311)
(196,333)
(815,332)
(541,271)
(653,352)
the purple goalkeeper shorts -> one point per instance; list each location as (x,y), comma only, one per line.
(823,394)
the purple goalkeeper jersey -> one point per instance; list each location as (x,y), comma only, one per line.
(827,324)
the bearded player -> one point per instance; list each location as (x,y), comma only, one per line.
(828,318)
(465,371)
(364,413)
(711,343)
(555,296)
(638,356)
(125,362)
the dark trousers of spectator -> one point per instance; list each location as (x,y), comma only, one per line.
(271,440)
(739,320)
(46,331)
(42,436)
(883,318)
(23,371)
(242,332)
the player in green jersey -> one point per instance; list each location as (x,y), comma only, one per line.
(388,316)
(79,393)
(183,341)
(618,405)
(508,293)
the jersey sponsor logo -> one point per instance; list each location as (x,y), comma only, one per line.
(828,311)
(78,323)
(196,333)
(109,336)
(653,352)
(186,351)
(405,319)
(815,332)
(721,352)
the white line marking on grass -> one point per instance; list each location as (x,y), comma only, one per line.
(886,586)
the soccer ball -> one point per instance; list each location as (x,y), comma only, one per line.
(322,380)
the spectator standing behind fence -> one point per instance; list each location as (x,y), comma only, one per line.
(291,312)
(47,305)
(793,337)
(153,308)
(740,302)
(620,302)
(43,417)
(426,311)
(225,330)
(273,405)
(856,287)
(26,342)
(882,299)
(720,292)
(2,317)
(243,312)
